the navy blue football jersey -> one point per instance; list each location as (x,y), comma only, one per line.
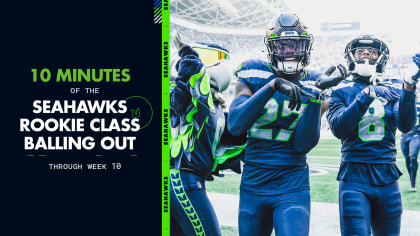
(195,138)
(204,148)
(367,130)
(270,139)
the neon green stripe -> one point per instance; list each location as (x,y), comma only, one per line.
(165,120)
(315,101)
(228,154)
(304,74)
(186,203)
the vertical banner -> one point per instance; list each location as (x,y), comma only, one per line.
(165,115)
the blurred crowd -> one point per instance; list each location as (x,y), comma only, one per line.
(327,50)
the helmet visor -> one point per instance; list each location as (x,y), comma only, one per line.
(210,56)
(289,47)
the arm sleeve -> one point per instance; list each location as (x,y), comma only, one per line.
(405,111)
(342,119)
(307,131)
(245,110)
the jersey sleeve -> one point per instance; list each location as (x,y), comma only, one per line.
(344,119)
(404,110)
(308,129)
(253,73)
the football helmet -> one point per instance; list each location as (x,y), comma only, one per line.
(289,44)
(216,60)
(366,57)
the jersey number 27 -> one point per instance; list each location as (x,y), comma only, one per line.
(272,108)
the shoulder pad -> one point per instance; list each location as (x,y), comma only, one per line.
(252,64)
(253,68)
(310,75)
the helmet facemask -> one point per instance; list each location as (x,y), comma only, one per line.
(289,54)
(366,58)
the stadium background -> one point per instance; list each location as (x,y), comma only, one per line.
(239,26)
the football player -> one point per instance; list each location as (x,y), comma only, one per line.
(279,108)
(364,113)
(197,126)
(410,146)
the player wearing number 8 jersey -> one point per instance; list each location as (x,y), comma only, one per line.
(282,126)
(364,113)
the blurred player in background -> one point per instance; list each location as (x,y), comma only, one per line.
(197,135)
(410,146)
(364,113)
(279,108)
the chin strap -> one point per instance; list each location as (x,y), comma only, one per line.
(376,78)
(361,79)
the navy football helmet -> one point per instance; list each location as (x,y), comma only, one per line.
(366,57)
(289,44)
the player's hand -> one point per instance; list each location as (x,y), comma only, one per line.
(409,77)
(314,92)
(416,59)
(414,79)
(327,80)
(179,43)
(292,91)
(383,93)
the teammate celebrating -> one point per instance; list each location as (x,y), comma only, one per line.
(282,126)
(197,125)
(364,113)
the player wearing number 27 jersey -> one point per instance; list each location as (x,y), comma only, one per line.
(281,126)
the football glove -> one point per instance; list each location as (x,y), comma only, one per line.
(179,43)
(383,93)
(326,80)
(416,59)
(413,80)
(293,91)
(317,94)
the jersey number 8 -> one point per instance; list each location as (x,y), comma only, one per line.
(372,126)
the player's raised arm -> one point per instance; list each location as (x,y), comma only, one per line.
(406,116)
(344,119)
